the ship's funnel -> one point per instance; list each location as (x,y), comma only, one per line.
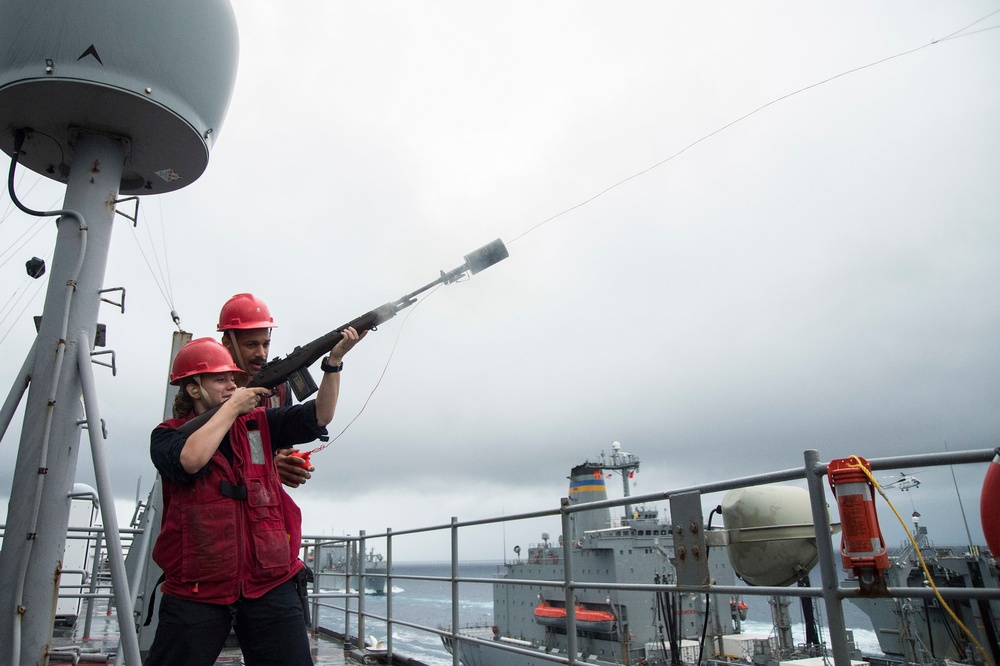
(156,75)
(586,484)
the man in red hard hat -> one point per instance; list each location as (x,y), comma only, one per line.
(246,322)
(225,533)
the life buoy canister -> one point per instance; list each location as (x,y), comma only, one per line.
(989,506)
(862,547)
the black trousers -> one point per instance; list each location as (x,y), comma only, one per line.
(271,629)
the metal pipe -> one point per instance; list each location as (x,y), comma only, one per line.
(361,588)
(388,593)
(824,545)
(89,621)
(567,542)
(124,601)
(347,589)
(137,575)
(21,383)
(456,650)
(318,561)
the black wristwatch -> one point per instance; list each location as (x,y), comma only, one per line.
(326,367)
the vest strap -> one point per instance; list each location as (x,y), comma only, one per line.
(231,491)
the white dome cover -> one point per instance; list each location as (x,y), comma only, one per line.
(159,73)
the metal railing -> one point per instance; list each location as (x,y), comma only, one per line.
(813,472)
(95,581)
(830,590)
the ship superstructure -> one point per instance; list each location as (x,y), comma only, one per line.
(611,625)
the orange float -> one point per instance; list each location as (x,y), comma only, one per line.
(989,506)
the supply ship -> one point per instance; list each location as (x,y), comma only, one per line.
(613,626)
(616,623)
(339,564)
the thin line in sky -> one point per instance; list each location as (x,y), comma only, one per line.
(954,35)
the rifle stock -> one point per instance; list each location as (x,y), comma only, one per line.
(295,365)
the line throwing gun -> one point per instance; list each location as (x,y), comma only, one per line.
(293,368)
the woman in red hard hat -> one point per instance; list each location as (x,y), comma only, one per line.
(223,543)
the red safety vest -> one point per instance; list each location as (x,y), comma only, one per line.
(281,397)
(229,533)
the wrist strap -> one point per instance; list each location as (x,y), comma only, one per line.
(326,367)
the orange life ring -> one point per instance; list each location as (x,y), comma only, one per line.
(989,506)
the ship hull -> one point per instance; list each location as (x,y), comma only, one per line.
(918,628)
(334,580)
(478,654)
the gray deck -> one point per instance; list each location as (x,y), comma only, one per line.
(103,641)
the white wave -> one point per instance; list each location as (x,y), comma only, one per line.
(866,639)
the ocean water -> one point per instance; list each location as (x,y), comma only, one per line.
(428,603)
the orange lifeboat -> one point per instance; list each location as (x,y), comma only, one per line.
(587,619)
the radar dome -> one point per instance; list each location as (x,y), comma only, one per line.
(159,74)
(771,536)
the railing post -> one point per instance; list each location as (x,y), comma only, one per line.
(362,558)
(456,648)
(388,593)
(828,568)
(94,567)
(568,582)
(318,563)
(347,589)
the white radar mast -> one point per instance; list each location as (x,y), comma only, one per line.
(109,97)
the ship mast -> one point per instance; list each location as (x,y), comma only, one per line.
(109,98)
(627,464)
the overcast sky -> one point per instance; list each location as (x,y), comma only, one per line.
(824,274)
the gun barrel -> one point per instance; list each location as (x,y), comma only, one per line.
(475,261)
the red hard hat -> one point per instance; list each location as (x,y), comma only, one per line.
(245,311)
(200,356)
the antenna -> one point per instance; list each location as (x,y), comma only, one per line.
(961,507)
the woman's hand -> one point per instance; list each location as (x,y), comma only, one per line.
(244,400)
